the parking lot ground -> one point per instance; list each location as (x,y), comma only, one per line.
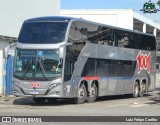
(148,105)
(105,106)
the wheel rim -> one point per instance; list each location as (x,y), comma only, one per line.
(92,92)
(136,90)
(143,87)
(81,93)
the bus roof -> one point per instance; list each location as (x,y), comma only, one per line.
(62,18)
(49,18)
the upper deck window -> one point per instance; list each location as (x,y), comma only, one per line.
(43,32)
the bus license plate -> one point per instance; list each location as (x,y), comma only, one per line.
(34,92)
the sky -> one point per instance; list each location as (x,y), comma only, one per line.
(136,5)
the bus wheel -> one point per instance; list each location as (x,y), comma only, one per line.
(39,100)
(92,94)
(51,100)
(136,90)
(82,95)
(142,90)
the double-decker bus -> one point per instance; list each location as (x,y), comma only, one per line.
(64,57)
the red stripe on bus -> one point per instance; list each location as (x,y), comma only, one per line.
(91,78)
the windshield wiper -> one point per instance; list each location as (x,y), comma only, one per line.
(42,69)
(26,71)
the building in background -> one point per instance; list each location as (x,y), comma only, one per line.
(14,12)
(12,15)
(124,18)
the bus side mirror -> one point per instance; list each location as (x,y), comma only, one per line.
(62,50)
(6,52)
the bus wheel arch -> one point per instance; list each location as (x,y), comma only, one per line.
(85,84)
(143,87)
(93,92)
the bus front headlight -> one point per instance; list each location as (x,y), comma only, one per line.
(16,84)
(54,85)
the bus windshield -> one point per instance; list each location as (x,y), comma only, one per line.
(43,32)
(37,64)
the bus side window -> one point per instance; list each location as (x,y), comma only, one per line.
(107,36)
(120,68)
(112,68)
(151,43)
(144,42)
(136,41)
(89,68)
(68,70)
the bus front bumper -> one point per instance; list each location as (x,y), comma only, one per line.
(53,93)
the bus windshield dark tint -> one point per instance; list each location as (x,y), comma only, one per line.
(37,64)
(43,32)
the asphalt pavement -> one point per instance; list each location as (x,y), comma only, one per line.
(149,105)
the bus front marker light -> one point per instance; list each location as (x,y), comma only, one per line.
(16,84)
(57,93)
(51,87)
(55,85)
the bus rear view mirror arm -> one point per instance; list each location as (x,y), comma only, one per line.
(7,49)
(62,48)
(6,52)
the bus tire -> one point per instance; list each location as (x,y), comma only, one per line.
(51,100)
(92,96)
(82,95)
(142,89)
(39,100)
(136,90)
